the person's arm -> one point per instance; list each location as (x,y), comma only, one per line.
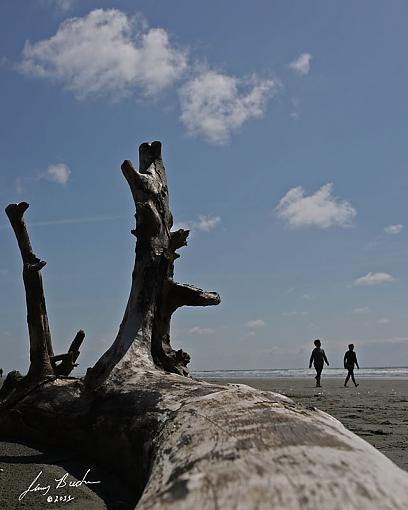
(325,359)
(345,360)
(357,365)
(311,359)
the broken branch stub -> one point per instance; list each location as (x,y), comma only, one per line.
(143,339)
(67,361)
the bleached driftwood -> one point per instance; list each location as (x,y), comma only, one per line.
(43,363)
(186,444)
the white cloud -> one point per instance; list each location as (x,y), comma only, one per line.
(196,330)
(257,323)
(105,52)
(393,229)
(251,333)
(384,320)
(58,173)
(320,209)
(202,224)
(374,279)
(206,223)
(301,65)
(361,311)
(214,104)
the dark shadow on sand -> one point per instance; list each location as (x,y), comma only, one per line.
(115,494)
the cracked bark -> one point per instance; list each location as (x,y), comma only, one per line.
(144,335)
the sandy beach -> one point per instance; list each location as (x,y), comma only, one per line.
(377,410)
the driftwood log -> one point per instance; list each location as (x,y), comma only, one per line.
(179,442)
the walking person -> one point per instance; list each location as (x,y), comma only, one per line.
(350,359)
(318,358)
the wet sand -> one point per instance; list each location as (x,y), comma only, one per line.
(377,410)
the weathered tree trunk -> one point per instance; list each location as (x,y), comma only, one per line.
(186,444)
(39,331)
(144,335)
(42,360)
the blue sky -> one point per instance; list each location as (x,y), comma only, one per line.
(284,138)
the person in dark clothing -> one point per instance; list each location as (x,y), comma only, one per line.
(350,359)
(318,358)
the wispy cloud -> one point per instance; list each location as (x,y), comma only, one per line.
(320,209)
(301,64)
(206,223)
(383,320)
(196,330)
(371,341)
(19,185)
(201,224)
(214,104)
(362,310)
(62,5)
(374,279)
(71,221)
(257,323)
(294,314)
(295,113)
(105,52)
(394,229)
(58,173)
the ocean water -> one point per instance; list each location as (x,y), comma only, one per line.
(386,373)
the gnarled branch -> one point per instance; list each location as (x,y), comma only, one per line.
(42,359)
(144,335)
(39,331)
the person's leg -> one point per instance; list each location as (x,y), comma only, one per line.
(347,378)
(352,377)
(319,369)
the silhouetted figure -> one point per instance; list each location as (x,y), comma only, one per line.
(350,359)
(318,358)
(1,373)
